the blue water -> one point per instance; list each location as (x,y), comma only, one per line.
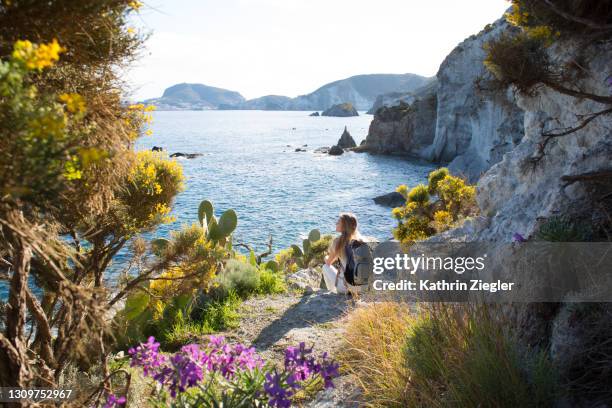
(247,165)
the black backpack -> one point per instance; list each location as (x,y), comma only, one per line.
(358,263)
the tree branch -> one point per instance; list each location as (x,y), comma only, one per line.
(548,136)
(576,19)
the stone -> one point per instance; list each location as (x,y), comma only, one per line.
(307,279)
(341,110)
(346,141)
(393,199)
(157,149)
(314,114)
(336,150)
(186,155)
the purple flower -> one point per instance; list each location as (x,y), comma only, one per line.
(147,356)
(112,401)
(299,361)
(278,396)
(187,372)
(518,237)
(329,371)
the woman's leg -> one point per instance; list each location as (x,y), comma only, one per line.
(329,275)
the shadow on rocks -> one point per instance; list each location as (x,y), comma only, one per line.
(312,309)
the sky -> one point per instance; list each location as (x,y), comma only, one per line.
(292,47)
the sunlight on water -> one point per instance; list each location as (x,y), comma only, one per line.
(249,163)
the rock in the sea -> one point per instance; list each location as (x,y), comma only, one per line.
(346,140)
(336,150)
(157,149)
(341,110)
(299,149)
(314,114)
(186,155)
(393,199)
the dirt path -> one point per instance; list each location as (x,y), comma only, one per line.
(272,323)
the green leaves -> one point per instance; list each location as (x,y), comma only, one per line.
(205,211)
(159,245)
(314,235)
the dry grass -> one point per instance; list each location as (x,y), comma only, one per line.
(442,355)
(375,337)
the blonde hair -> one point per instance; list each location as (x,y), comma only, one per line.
(349,231)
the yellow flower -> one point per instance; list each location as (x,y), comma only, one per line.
(135,4)
(37,56)
(149,132)
(71,171)
(131,30)
(74,102)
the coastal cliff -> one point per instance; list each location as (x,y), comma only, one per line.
(538,182)
(467,126)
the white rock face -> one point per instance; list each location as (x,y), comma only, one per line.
(470,129)
(474,128)
(514,195)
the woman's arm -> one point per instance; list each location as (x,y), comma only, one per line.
(332,256)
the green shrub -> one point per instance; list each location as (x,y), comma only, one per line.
(563,229)
(219,315)
(435,177)
(464,356)
(420,218)
(271,283)
(239,277)
(419,194)
(518,60)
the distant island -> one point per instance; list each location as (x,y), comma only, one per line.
(361,91)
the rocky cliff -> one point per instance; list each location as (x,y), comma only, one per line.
(405,128)
(472,127)
(573,178)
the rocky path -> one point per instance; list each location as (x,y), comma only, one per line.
(272,323)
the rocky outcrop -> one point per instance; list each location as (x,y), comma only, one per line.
(342,110)
(517,194)
(405,128)
(314,114)
(394,98)
(308,279)
(335,151)
(474,127)
(393,199)
(467,128)
(346,141)
(186,155)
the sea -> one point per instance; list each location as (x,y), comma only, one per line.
(249,163)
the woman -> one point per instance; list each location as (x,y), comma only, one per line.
(334,278)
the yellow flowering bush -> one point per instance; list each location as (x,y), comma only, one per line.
(420,218)
(39,142)
(35,56)
(152,184)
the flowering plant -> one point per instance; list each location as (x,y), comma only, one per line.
(229,375)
